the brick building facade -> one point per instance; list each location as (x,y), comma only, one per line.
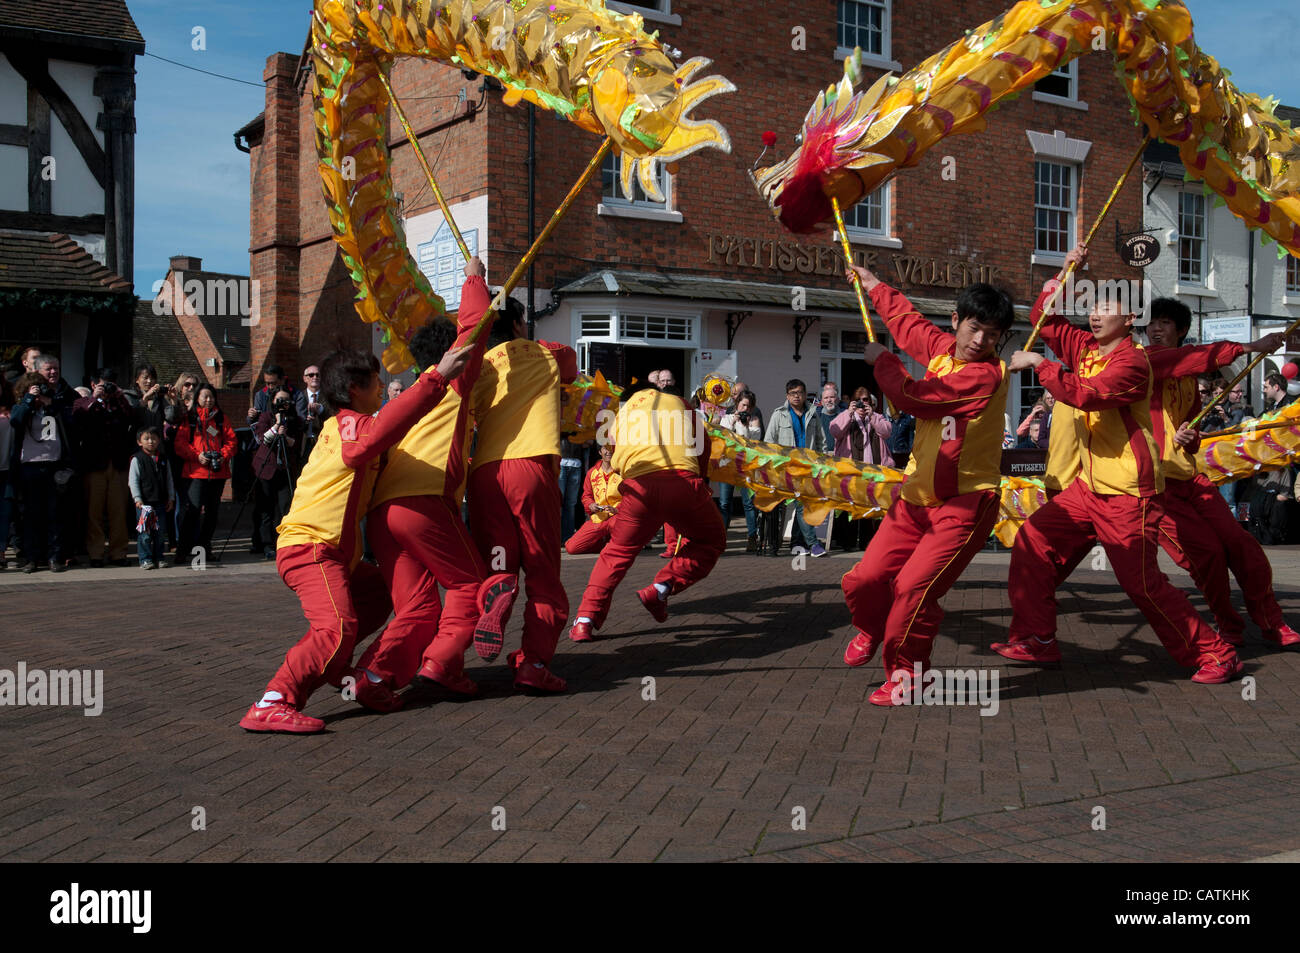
(642,286)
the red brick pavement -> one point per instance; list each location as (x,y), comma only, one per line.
(754,716)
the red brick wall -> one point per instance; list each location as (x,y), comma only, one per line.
(274,226)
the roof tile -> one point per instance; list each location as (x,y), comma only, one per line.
(109,19)
(54,262)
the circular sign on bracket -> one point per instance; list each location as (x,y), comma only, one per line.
(1138,251)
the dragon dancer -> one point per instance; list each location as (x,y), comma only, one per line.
(950,495)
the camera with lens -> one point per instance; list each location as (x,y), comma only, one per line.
(282,405)
(212,459)
(743,416)
(109,387)
(46,390)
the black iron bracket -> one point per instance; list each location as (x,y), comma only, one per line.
(801,328)
(734,320)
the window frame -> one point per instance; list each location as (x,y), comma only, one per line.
(865,236)
(885,58)
(652,14)
(1203,280)
(1071,71)
(1046,256)
(619,206)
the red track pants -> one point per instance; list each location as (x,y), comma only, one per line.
(1200,533)
(514,507)
(1056,537)
(646,501)
(590,537)
(422,543)
(341,607)
(917,554)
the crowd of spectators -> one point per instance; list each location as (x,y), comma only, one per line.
(85,469)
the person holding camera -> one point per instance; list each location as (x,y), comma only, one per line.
(746,422)
(105,423)
(42,459)
(206,445)
(278,432)
(862,434)
(149,399)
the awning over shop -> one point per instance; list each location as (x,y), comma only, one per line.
(731,293)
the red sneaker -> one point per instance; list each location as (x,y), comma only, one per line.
(1216,673)
(893,692)
(1232,638)
(1032,650)
(376,696)
(861,649)
(582,632)
(282,717)
(496,597)
(1283,636)
(531,677)
(657,607)
(460,683)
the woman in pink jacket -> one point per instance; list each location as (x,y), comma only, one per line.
(863,435)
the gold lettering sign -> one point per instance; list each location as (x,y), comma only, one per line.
(795,257)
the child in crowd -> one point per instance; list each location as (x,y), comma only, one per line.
(150,480)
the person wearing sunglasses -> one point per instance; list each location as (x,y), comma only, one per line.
(310,407)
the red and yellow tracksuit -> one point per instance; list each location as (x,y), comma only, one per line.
(514,490)
(949,500)
(1115,501)
(1198,530)
(417,534)
(319,548)
(661,477)
(598,489)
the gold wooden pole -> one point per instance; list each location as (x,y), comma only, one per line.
(1238,379)
(1114,194)
(848,263)
(424,164)
(857,285)
(592,168)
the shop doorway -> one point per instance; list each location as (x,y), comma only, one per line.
(620,363)
(855,374)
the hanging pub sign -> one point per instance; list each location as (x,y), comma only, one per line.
(1140,250)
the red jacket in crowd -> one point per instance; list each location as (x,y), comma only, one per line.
(212,433)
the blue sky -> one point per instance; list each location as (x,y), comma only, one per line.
(192,185)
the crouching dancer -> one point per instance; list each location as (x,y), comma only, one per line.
(318,553)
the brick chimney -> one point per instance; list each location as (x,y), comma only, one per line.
(186,263)
(273,219)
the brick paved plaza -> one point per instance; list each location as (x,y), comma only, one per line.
(754,717)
